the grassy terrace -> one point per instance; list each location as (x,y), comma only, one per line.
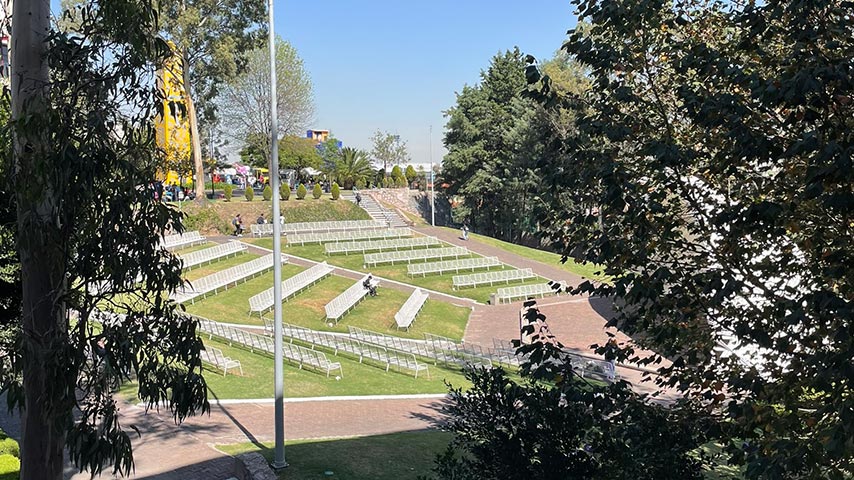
(375,457)
(307,308)
(439,283)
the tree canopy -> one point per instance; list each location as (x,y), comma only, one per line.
(711,175)
(88,240)
(352,166)
(298,153)
(388,149)
(243,101)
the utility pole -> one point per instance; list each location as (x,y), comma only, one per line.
(279,406)
(432,186)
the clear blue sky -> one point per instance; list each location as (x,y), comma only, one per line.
(395,65)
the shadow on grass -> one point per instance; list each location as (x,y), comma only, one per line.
(394,456)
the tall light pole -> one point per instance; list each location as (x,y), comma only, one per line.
(432,187)
(279,407)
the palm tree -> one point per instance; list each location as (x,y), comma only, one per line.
(352,165)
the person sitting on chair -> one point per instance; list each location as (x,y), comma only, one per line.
(370,286)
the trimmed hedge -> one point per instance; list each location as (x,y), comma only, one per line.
(267,193)
(285,191)
(336,191)
(301,192)
(317,192)
(249,194)
(228,190)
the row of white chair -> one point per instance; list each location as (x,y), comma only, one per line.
(186,239)
(215,357)
(410,309)
(342,304)
(508,294)
(425,269)
(253,341)
(374,245)
(304,227)
(387,358)
(208,255)
(290,287)
(415,255)
(224,278)
(347,236)
(490,278)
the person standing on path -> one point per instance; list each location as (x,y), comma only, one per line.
(465,231)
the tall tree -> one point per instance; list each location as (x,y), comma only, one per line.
(712,176)
(388,149)
(83,153)
(244,100)
(299,153)
(330,152)
(492,150)
(213,39)
(352,166)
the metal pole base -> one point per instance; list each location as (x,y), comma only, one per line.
(278,467)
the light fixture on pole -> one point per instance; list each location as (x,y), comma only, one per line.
(279,404)
(432,187)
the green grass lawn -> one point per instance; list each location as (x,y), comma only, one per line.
(439,283)
(210,268)
(307,308)
(587,270)
(396,456)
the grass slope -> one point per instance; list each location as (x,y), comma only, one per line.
(396,456)
(215,216)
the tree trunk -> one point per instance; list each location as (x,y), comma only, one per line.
(45,414)
(195,141)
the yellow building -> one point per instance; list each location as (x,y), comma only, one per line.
(173,126)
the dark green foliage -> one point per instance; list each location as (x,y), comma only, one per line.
(410,173)
(712,175)
(301,192)
(316,192)
(285,191)
(360,183)
(228,189)
(396,172)
(249,193)
(558,426)
(267,193)
(351,166)
(336,191)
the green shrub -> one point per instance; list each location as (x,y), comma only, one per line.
(316,192)
(387,182)
(285,191)
(301,192)
(361,183)
(9,467)
(249,194)
(8,446)
(228,189)
(268,193)
(396,172)
(336,191)
(400,182)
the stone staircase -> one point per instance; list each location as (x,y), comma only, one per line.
(377,211)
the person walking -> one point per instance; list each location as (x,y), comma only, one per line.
(465,231)
(358,199)
(237,223)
